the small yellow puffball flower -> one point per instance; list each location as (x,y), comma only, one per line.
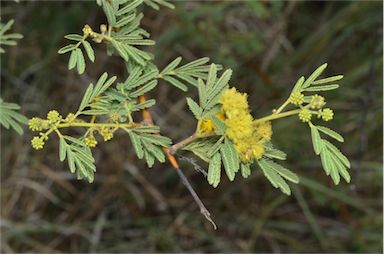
(114,117)
(90,141)
(35,124)
(232,101)
(327,114)
(317,102)
(264,130)
(296,98)
(106,133)
(305,115)
(37,143)
(70,118)
(205,127)
(53,117)
(87,30)
(248,138)
(258,150)
(250,150)
(239,126)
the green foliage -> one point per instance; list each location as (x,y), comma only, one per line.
(92,93)
(9,117)
(334,162)
(312,85)
(79,156)
(76,58)
(230,159)
(148,144)
(8,39)
(189,73)
(209,93)
(278,175)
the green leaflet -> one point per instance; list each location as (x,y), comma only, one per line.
(72,60)
(337,153)
(276,174)
(202,93)
(314,76)
(144,89)
(146,104)
(155,4)
(210,92)
(148,146)
(273,153)
(8,39)
(129,7)
(298,85)
(328,80)
(74,37)
(76,58)
(176,83)
(88,48)
(10,118)
(94,91)
(330,133)
(80,61)
(316,140)
(245,170)
(189,73)
(109,12)
(220,125)
(230,159)
(135,139)
(203,148)
(79,156)
(321,88)
(194,107)
(171,66)
(216,147)
(214,170)
(334,162)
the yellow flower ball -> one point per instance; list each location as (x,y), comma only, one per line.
(37,143)
(327,114)
(296,98)
(305,115)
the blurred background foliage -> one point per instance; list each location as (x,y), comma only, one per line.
(131,208)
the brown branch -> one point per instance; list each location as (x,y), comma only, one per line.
(147,119)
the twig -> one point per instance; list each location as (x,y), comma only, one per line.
(147,119)
(198,201)
(192,161)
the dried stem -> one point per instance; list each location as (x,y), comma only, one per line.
(204,211)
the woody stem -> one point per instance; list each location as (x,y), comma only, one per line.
(173,149)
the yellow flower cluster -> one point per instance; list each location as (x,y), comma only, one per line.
(70,118)
(53,117)
(326,114)
(206,126)
(305,115)
(37,142)
(249,138)
(39,124)
(90,141)
(317,101)
(296,98)
(106,133)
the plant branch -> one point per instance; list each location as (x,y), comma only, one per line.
(173,149)
(277,116)
(203,210)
